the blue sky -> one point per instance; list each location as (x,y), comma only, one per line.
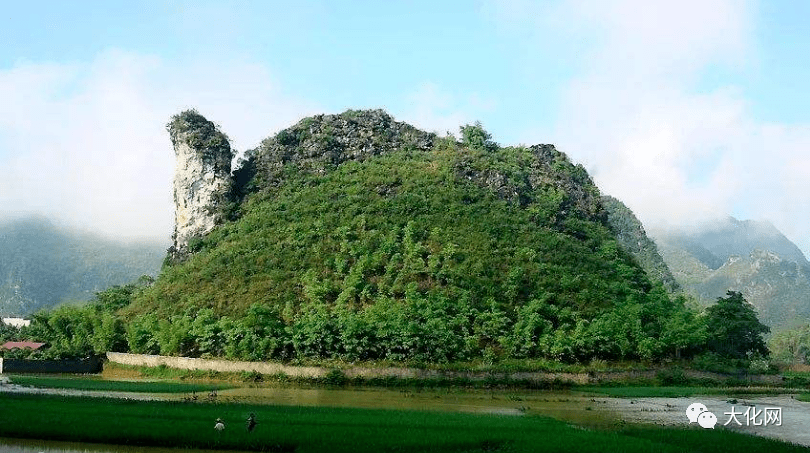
(686,111)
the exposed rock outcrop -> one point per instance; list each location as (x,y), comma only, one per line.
(322,142)
(202,178)
(567,188)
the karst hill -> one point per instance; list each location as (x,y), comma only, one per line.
(361,237)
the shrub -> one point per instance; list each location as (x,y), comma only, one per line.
(251,376)
(336,377)
(672,376)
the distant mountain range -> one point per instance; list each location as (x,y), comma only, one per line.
(42,265)
(752,257)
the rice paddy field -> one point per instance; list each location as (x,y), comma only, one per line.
(325,429)
(160,412)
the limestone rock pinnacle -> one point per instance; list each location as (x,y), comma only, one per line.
(202,178)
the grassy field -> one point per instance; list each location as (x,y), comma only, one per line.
(90,383)
(308,429)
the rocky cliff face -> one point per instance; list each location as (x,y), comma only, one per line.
(202,179)
(778,288)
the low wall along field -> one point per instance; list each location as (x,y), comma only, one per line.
(270,368)
(319,372)
(185,363)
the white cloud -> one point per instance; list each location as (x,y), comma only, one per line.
(433,109)
(694,159)
(635,116)
(644,39)
(86,142)
(647,146)
(780,179)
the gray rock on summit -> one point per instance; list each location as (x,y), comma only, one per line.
(319,143)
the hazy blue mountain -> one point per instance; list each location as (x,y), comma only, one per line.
(749,256)
(741,237)
(42,264)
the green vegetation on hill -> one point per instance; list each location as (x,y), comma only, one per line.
(355,237)
(792,345)
(77,331)
(199,133)
(437,255)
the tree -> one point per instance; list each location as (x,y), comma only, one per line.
(791,346)
(475,137)
(115,297)
(733,328)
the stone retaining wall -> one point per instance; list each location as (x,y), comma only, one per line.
(186,363)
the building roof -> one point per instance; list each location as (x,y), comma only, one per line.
(22,345)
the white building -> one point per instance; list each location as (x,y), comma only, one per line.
(17,322)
